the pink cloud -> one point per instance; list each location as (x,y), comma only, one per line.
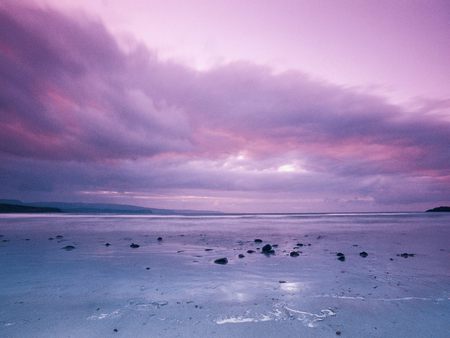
(107,119)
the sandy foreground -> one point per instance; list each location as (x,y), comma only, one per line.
(173,288)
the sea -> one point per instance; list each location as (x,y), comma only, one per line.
(270,275)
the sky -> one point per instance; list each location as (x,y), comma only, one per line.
(237,106)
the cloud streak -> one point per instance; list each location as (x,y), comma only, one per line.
(88,115)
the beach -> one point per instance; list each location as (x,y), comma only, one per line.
(74,275)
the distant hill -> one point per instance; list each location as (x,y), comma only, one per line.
(102,208)
(439,209)
(15,208)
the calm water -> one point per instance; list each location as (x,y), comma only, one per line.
(172,288)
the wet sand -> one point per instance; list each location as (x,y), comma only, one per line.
(59,278)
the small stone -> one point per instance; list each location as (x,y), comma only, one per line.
(341,258)
(363,254)
(159,239)
(59,236)
(208,249)
(267,249)
(258,240)
(50,238)
(340,254)
(134,245)
(294,254)
(115,330)
(406,255)
(281,281)
(338,333)
(241,256)
(107,244)
(147,268)
(221,261)
(69,247)
(250,251)
(300,244)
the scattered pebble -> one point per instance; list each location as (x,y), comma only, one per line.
(406,255)
(363,254)
(159,239)
(69,247)
(250,251)
(59,236)
(221,261)
(115,330)
(338,333)
(281,281)
(258,240)
(267,249)
(294,254)
(134,245)
(241,256)
(340,256)
(107,244)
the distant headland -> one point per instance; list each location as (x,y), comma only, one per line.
(6,208)
(16,206)
(440,209)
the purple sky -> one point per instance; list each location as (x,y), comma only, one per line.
(259,106)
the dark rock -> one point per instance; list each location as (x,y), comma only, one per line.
(275,245)
(391,259)
(341,258)
(107,244)
(59,236)
(209,249)
(147,268)
(69,247)
(50,238)
(258,240)
(241,256)
(300,244)
(406,255)
(134,245)
(115,330)
(267,249)
(294,254)
(338,333)
(363,254)
(340,254)
(250,251)
(221,261)
(159,239)
(281,281)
